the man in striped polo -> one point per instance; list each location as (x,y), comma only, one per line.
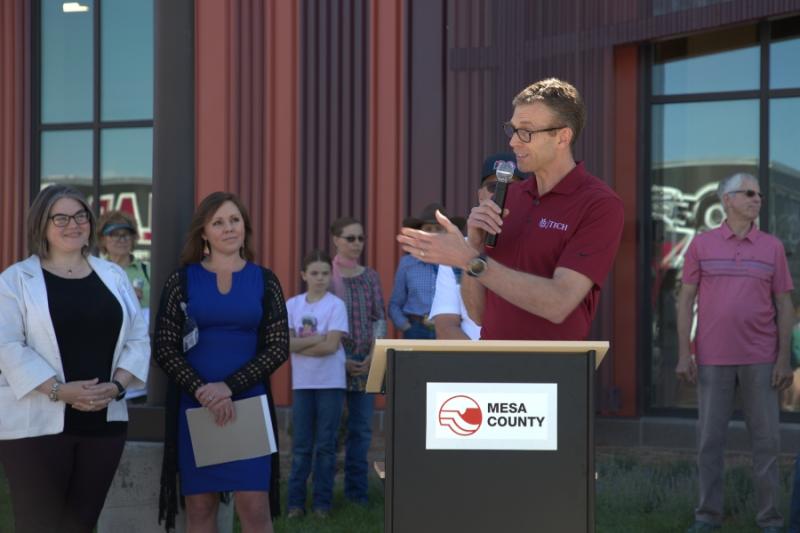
(740,278)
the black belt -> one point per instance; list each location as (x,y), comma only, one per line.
(419,319)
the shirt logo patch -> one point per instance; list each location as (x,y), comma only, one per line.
(552,224)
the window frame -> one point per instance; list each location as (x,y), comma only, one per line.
(96,125)
(764,95)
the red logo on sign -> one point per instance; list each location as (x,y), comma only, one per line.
(461,414)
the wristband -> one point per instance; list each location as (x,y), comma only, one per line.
(120,388)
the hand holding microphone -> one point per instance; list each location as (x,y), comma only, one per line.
(504,173)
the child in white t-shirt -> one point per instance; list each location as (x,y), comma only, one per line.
(317,321)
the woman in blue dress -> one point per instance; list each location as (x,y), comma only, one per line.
(238,313)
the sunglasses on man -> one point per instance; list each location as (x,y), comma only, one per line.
(353,238)
(748,192)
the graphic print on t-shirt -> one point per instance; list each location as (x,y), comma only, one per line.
(309,326)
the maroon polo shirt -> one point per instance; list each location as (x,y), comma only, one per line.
(577,225)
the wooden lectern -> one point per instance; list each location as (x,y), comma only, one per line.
(485,436)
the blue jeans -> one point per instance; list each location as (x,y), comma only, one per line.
(316,414)
(418,330)
(794,511)
(359,434)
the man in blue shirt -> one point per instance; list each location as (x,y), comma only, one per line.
(414,284)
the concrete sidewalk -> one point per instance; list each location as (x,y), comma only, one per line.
(132,502)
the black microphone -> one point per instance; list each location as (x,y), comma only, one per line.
(504,172)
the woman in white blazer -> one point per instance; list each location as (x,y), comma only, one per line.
(72,339)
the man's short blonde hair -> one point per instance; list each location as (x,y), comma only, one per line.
(561,98)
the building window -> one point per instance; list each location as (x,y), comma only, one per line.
(93,115)
(719,103)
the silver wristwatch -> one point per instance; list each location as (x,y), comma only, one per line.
(477,266)
(54,391)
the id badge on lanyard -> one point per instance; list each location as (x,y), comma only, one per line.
(191,334)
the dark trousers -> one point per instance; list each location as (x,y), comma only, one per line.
(59,482)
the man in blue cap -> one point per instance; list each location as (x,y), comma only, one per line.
(447,310)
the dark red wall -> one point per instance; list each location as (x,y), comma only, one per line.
(15,56)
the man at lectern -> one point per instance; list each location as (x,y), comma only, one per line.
(556,234)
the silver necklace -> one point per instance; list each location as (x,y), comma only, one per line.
(63,269)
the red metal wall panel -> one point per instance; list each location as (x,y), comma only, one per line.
(385,139)
(280,186)
(14,127)
(334,41)
(624,366)
(246,68)
(352,124)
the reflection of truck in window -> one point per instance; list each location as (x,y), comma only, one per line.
(678,217)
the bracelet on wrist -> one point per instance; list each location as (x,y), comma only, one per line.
(54,388)
(120,390)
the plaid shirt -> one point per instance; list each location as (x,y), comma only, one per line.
(365,314)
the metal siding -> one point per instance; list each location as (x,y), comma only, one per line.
(513,43)
(247,120)
(621,370)
(333,113)
(385,142)
(14,127)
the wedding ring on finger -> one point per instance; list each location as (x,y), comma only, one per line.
(422,253)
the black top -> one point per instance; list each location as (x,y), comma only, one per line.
(87,318)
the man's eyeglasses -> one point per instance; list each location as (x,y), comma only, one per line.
(748,192)
(353,238)
(61,220)
(523,134)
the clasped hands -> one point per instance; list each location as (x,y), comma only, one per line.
(88,395)
(216,397)
(358,368)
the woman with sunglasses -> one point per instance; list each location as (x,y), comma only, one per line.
(117,235)
(360,288)
(72,339)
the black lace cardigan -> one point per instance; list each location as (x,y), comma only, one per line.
(272,352)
